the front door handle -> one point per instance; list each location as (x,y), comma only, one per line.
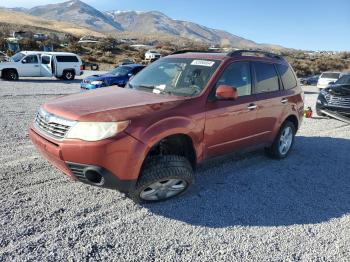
(284,100)
(36,65)
(252,107)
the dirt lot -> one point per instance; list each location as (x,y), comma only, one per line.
(246,207)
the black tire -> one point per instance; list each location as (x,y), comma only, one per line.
(68,75)
(275,150)
(11,75)
(161,169)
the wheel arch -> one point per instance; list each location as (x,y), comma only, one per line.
(174,144)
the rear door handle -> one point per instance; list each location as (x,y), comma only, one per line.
(252,106)
(284,100)
(36,65)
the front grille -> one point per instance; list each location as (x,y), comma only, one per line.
(338,101)
(52,125)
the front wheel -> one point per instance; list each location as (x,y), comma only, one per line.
(11,75)
(283,142)
(163,177)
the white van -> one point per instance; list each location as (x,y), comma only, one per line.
(326,78)
(42,64)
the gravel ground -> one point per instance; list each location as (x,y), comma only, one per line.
(244,207)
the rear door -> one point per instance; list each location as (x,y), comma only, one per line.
(30,66)
(230,123)
(47,67)
(270,100)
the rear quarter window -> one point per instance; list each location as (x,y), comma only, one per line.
(67,59)
(288,79)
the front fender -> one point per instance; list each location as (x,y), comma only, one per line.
(174,126)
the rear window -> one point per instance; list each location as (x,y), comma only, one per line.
(287,76)
(67,59)
(266,78)
(330,75)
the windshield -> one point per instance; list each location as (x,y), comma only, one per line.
(175,76)
(344,80)
(17,57)
(121,70)
(330,75)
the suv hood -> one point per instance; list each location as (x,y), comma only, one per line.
(110,104)
(7,64)
(341,90)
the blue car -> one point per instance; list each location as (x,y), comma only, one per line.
(118,76)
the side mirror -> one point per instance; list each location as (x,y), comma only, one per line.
(130,75)
(24,61)
(225,92)
(331,83)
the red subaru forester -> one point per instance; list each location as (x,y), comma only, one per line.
(146,139)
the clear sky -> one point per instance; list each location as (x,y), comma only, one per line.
(301,24)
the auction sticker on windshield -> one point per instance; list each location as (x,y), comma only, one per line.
(203,63)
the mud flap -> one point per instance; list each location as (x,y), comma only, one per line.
(336,116)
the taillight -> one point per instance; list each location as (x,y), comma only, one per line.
(82,67)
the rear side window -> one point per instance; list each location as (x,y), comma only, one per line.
(266,78)
(237,75)
(330,75)
(67,59)
(45,60)
(287,76)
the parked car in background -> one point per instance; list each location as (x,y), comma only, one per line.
(3,57)
(91,66)
(181,110)
(335,98)
(42,64)
(118,76)
(311,80)
(152,55)
(326,78)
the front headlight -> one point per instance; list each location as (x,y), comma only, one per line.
(95,131)
(96,83)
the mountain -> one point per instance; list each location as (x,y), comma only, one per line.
(153,22)
(77,12)
(11,18)
(156,22)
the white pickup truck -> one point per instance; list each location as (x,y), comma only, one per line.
(42,64)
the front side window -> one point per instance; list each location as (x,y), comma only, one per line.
(266,78)
(237,75)
(175,76)
(287,76)
(31,59)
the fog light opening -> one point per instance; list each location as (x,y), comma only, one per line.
(94,177)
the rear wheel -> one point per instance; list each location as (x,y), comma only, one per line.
(11,75)
(68,75)
(163,177)
(283,142)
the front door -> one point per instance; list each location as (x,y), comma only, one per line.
(230,123)
(30,66)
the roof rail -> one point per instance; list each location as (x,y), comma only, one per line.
(190,51)
(237,53)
